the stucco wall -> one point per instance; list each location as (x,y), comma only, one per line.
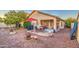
(40,16)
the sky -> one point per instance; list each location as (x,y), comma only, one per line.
(64,14)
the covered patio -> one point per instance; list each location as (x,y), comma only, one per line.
(44,19)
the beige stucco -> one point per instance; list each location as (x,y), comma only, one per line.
(55,25)
(62,25)
(78,31)
(40,16)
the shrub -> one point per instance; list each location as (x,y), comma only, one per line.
(26,24)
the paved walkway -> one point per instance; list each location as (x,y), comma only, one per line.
(18,40)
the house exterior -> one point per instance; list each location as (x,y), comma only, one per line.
(44,19)
(77,33)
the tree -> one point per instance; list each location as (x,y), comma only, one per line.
(12,17)
(69,21)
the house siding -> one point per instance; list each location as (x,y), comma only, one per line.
(56,24)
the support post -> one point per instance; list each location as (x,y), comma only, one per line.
(60,25)
(49,24)
(55,25)
(39,22)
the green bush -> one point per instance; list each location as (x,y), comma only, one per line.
(26,24)
(68,24)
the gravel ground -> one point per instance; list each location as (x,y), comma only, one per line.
(18,40)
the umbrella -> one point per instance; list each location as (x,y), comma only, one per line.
(30,19)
